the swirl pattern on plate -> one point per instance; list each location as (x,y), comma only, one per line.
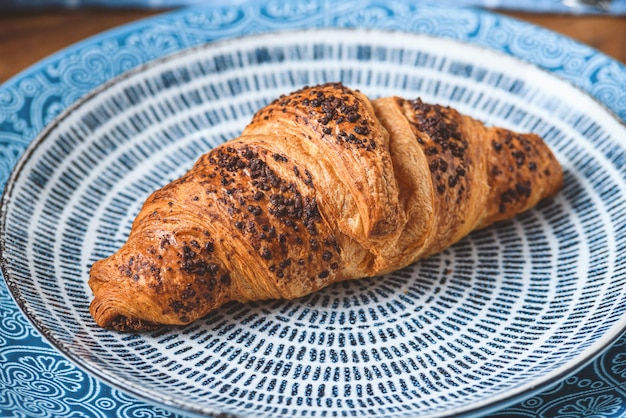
(481,323)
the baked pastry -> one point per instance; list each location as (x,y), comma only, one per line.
(323,185)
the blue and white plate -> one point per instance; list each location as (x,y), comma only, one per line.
(490,321)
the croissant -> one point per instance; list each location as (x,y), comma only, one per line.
(323,185)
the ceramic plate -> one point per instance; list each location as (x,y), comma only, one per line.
(487,322)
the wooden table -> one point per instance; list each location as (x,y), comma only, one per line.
(26,38)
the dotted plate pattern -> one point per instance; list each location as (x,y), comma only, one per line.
(486,323)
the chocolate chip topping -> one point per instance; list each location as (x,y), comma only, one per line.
(270,212)
(518,153)
(332,110)
(444,146)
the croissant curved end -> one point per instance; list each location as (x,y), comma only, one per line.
(109,308)
(107,316)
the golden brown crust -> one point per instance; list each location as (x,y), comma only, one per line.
(336,130)
(324,185)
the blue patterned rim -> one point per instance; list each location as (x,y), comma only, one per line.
(24,82)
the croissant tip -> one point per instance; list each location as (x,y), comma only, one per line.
(109,318)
